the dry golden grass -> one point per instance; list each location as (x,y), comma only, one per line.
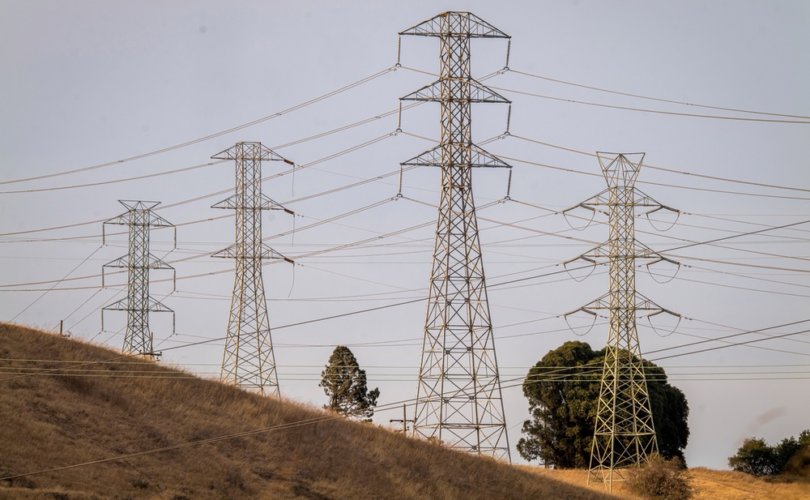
(730,485)
(707,485)
(579,477)
(54,419)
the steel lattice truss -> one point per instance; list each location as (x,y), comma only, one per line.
(138,262)
(624,431)
(459,393)
(248,360)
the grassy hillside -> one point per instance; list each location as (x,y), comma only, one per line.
(139,430)
(707,485)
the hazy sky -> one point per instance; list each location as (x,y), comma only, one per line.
(91,82)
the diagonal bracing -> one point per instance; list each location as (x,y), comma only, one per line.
(140,219)
(459,398)
(624,431)
(248,360)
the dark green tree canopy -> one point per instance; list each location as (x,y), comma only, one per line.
(563,390)
(345,384)
(756,457)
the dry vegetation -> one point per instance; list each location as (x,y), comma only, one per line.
(707,485)
(54,419)
(730,485)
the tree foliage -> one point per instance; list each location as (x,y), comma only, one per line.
(563,390)
(345,384)
(756,457)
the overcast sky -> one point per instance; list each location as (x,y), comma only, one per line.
(91,82)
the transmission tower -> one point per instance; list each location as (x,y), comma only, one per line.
(248,360)
(138,262)
(459,392)
(624,431)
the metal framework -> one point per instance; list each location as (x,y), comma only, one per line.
(624,431)
(459,393)
(138,262)
(248,360)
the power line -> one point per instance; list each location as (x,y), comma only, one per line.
(654,111)
(115,181)
(662,184)
(665,169)
(772,337)
(80,264)
(295,168)
(735,234)
(658,99)
(749,233)
(214,134)
(733,335)
(5,287)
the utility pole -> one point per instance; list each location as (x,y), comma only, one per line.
(624,432)
(140,219)
(458,398)
(404,419)
(248,361)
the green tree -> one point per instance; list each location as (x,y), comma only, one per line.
(804,438)
(563,389)
(754,457)
(757,458)
(345,384)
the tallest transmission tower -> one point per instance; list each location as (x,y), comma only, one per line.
(459,393)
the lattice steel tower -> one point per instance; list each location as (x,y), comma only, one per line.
(624,431)
(459,392)
(138,262)
(248,360)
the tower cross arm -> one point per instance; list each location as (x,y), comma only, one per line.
(478,158)
(235,202)
(250,150)
(237,251)
(455,24)
(479,93)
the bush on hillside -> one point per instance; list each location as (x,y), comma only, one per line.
(660,478)
(759,459)
(799,463)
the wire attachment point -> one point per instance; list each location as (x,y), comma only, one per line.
(586,226)
(573,330)
(665,208)
(591,266)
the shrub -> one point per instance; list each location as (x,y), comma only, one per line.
(660,478)
(799,463)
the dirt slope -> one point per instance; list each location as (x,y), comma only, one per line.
(71,403)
